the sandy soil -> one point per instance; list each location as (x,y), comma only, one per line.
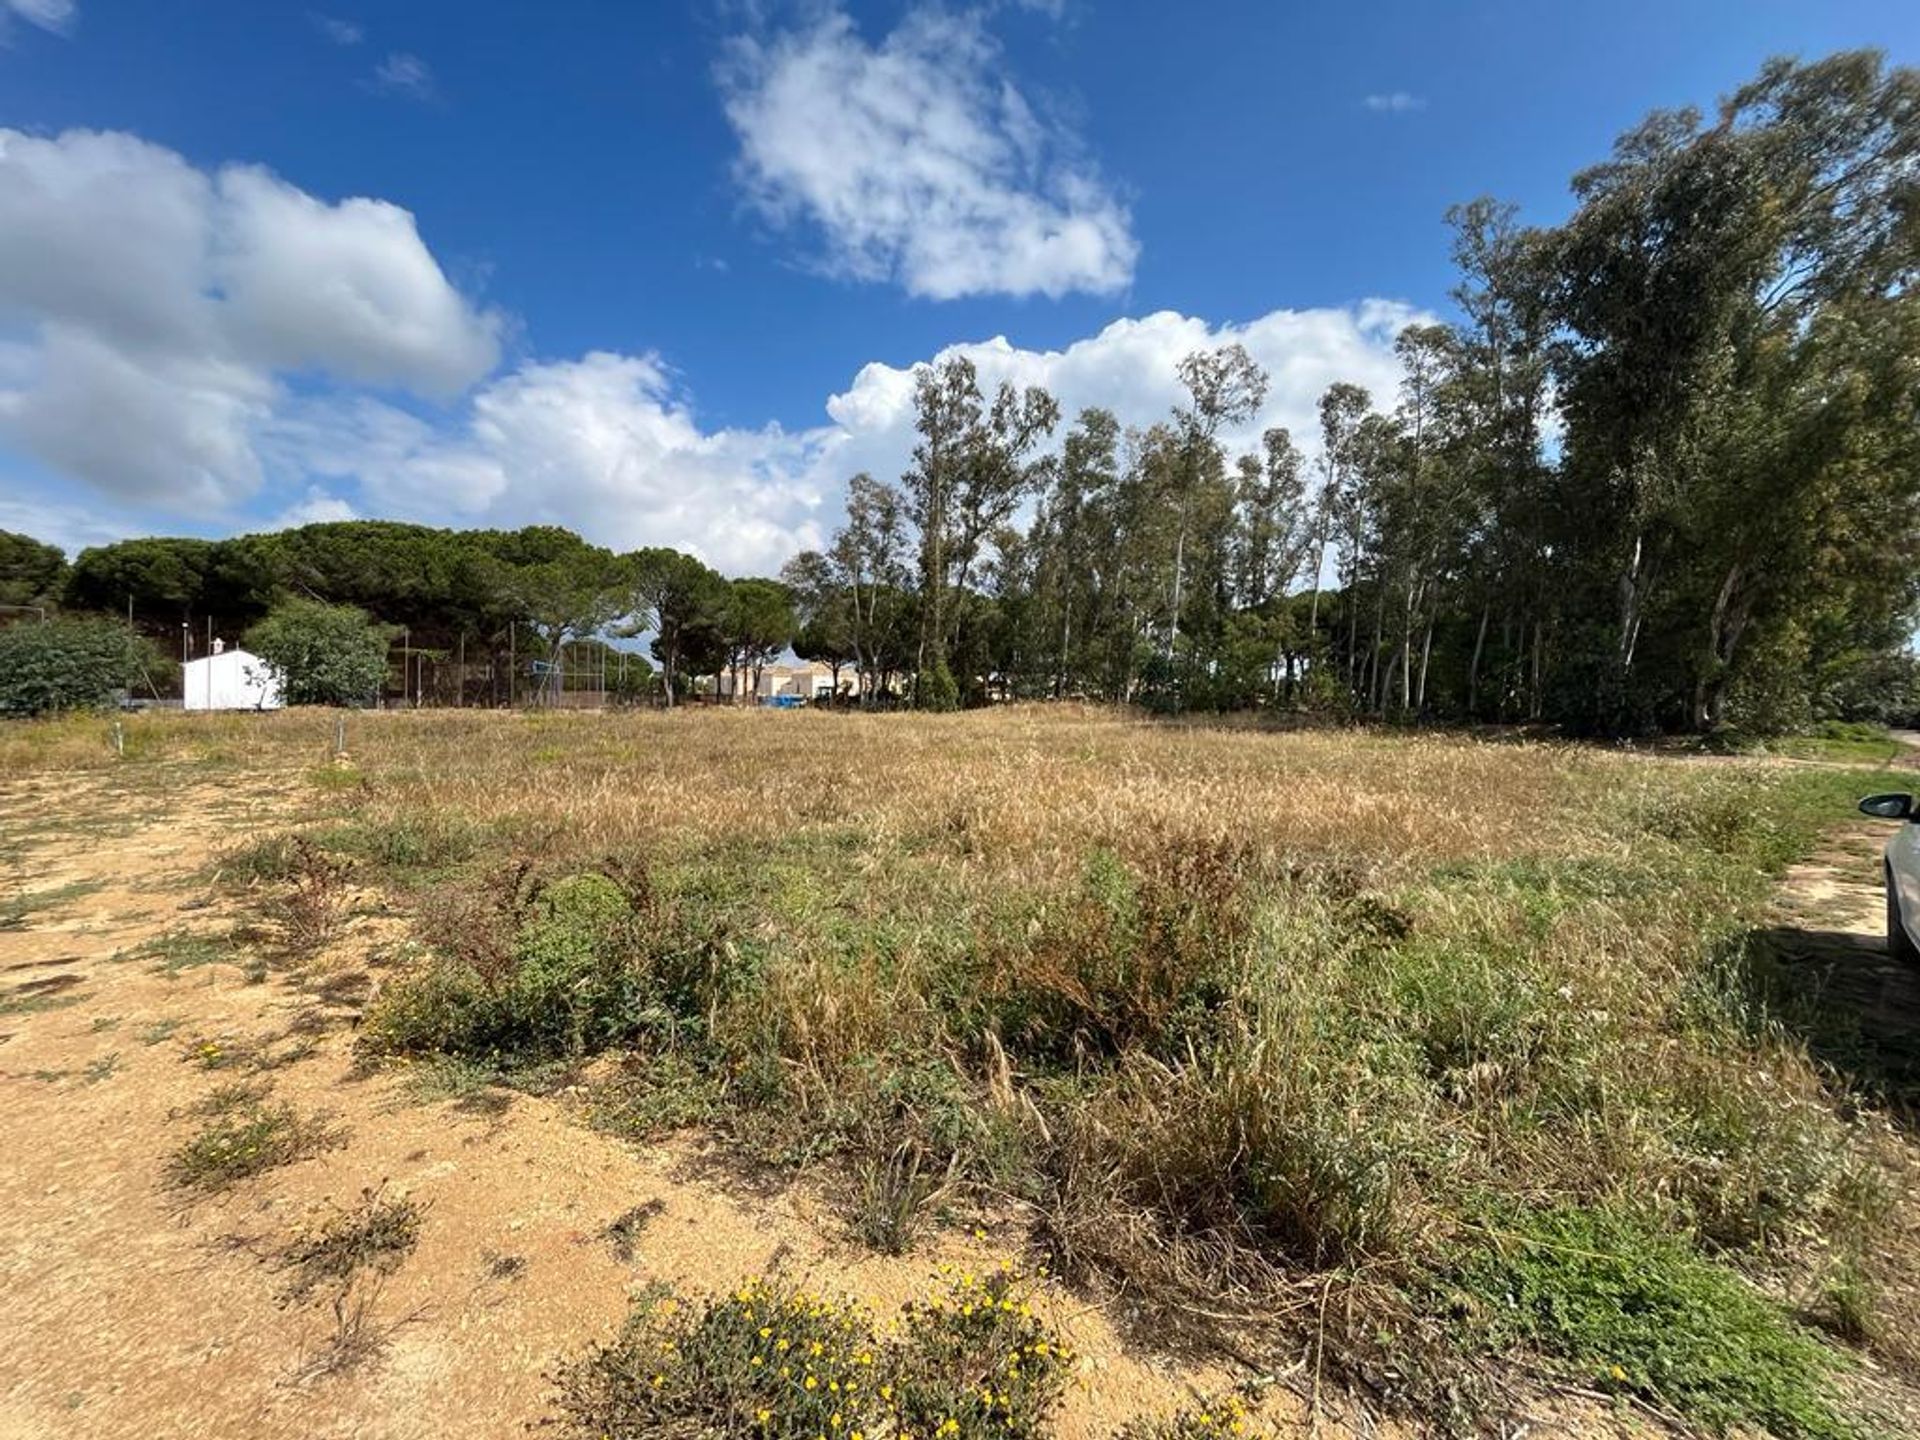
(132,1309)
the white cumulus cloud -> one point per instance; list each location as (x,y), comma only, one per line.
(219,351)
(918,161)
(609,445)
(149,310)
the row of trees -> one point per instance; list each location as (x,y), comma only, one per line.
(1663,471)
(320,599)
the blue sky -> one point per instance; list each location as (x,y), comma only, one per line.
(658,270)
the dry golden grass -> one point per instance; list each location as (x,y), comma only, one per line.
(1026,787)
(1242,1018)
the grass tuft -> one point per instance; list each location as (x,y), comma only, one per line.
(244,1139)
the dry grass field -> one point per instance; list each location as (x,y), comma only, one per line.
(1042,1072)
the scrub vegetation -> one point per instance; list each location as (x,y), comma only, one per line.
(1448,1064)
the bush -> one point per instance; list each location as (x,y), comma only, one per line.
(536,970)
(935,688)
(66,664)
(770,1360)
(1137,956)
(1637,1312)
(377,1234)
(325,654)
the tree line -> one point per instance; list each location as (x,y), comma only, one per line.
(1660,472)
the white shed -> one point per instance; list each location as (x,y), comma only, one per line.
(230,680)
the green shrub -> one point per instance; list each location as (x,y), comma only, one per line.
(935,688)
(537,970)
(325,654)
(771,1360)
(67,664)
(406,842)
(1631,1310)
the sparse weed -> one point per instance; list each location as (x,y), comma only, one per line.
(234,1095)
(377,1235)
(37,997)
(22,905)
(623,1231)
(175,951)
(247,1140)
(160,1031)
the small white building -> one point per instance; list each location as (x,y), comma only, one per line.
(229,680)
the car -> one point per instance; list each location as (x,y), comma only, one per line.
(1902,872)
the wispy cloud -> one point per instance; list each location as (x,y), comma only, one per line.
(1395,102)
(404,74)
(340,32)
(55,15)
(918,161)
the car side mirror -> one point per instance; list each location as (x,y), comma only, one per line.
(1888,807)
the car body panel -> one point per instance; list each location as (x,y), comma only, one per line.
(1903,870)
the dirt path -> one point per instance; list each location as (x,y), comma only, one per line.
(134,1310)
(1829,932)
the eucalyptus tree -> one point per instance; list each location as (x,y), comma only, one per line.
(973,466)
(869,560)
(1342,408)
(1224,387)
(1499,398)
(1730,292)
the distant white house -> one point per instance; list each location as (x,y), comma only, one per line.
(229,680)
(809,680)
